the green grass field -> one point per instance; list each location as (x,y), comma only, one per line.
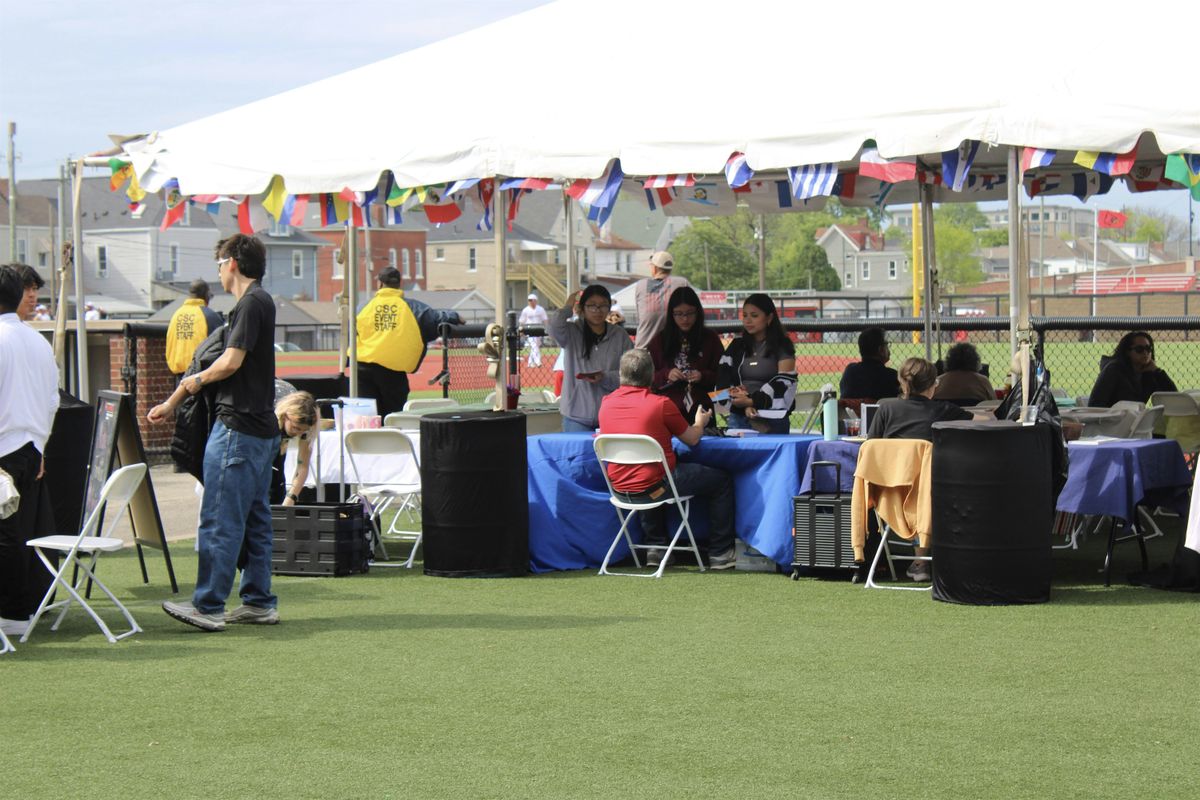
(745,685)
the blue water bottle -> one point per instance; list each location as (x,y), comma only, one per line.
(829,413)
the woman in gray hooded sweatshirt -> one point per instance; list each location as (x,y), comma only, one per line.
(592,348)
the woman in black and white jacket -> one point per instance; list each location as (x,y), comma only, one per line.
(759,368)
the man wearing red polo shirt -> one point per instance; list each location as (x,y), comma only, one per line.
(634,409)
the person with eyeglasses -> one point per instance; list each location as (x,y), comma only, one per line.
(686,355)
(1131,373)
(592,349)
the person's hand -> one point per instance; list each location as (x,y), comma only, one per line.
(739,397)
(1150,366)
(751,412)
(691,375)
(676,375)
(575,307)
(42,469)
(160,413)
(288,501)
(703,417)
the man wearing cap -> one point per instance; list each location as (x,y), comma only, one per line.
(651,295)
(190,324)
(90,312)
(392,334)
(535,316)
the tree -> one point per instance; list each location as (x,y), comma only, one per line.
(963,215)
(729,263)
(957,259)
(993,237)
(801,265)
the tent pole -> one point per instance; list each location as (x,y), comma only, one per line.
(930,265)
(81,354)
(1018,269)
(352,307)
(568,220)
(500,226)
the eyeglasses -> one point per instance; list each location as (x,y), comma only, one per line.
(596,309)
(683,314)
(1141,348)
(222,262)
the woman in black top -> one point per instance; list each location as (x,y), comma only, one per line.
(1131,374)
(912,415)
(685,354)
(759,367)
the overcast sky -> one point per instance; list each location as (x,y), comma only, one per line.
(73,71)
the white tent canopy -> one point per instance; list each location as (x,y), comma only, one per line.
(691,81)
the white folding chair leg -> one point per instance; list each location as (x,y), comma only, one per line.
(885,550)
(625,516)
(5,644)
(691,547)
(85,572)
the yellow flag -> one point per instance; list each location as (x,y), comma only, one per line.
(274,198)
(134,192)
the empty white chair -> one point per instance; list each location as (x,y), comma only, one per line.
(403,421)
(382,496)
(1144,422)
(808,403)
(1176,404)
(422,403)
(114,499)
(614,448)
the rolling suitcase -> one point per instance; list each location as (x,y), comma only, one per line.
(822,528)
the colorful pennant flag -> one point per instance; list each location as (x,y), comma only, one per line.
(397,196)
(484,190)
(531,184)
(243,217)
(1044,184)
(173,215)
(121,172)
(956,165)
(294,210)
(844,185)
(275,197)
(737,171)
(439,209)
(667,181)
(889,170)
(601,191)
(1184,168)
(1032,157)
(1110,219)
(1086,184)
(459,186)
(1107,163)
(812,180)
(664,197)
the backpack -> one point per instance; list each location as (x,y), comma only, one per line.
(196,415)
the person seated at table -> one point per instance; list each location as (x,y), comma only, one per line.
(297,415)
(685,355)
(911,416)
(634,409)
(871,378)
(1131,374)
(759,368)
(962,382)
(592,348)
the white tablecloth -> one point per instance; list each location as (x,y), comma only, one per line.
(372,469)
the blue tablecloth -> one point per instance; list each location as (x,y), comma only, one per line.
(571,522)
(842,452)
(1111,478)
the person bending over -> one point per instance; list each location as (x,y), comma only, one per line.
(297,415)
(1132,374)
(759,367)
(592,350)
(634,409)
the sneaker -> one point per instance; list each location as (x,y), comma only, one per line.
(253,615)
(654,557)
(919,571)
(187,613)
(726,560)
(14,627)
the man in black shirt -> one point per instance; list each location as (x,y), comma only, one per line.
(870,379)
(239,452)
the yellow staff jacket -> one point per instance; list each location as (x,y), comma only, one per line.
(388,334)
(187,330)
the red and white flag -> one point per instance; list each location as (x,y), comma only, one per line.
(889,170)
(1111,219)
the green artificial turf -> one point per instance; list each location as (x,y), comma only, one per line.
(744,685)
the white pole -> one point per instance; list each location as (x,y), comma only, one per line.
(352,299)
(500,226)
(1095,254)
(569,221)
(1018,265)
(81,355)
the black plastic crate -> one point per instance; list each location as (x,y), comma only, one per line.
(822,530)
(319,539)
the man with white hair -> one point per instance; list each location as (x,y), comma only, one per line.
(651,295)
(534,315)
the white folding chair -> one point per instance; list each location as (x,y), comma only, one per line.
(429,402)
(905,451)
(549,396)
(5,644)
(1144,422)
(808,403)
(403,421)
(887,540)
(382,496)
(615,448)
(114,498)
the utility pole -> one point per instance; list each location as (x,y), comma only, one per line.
(12,194)
(58,273)
(762,253)
(707,271)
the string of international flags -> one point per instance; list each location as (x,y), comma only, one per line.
(1089,173)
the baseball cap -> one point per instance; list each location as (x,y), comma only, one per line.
(662,259)
(532,296)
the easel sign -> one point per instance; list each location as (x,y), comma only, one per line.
(117,442)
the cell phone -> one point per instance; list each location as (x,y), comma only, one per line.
(719,396)
(582,375)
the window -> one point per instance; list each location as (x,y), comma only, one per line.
(629,262)
(849,277)
(471,260)
(43,259)
(174,258)
(439,254)
(866,270)
(405,259)
(557,257)
(392,258)
(585,258)
(278,228)
(297,264)
(101,261)
(420,256)
(339,272)
(22,251)
(892,270)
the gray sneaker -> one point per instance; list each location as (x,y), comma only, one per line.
(726,560)
(187,613)
(654,557)
(919,571)
(253,615)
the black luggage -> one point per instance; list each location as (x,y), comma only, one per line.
(821,529)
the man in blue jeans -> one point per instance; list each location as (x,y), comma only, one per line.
(239,452)
(633,408)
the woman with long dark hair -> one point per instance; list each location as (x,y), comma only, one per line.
(760,370)
(1132,374)
(592,350)
(685,354)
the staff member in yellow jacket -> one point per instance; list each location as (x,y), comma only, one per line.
(392,333)
(191,323)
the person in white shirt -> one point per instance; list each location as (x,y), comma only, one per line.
(534,315)
(90,312)
(28,402)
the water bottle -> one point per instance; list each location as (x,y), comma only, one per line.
(829,413)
